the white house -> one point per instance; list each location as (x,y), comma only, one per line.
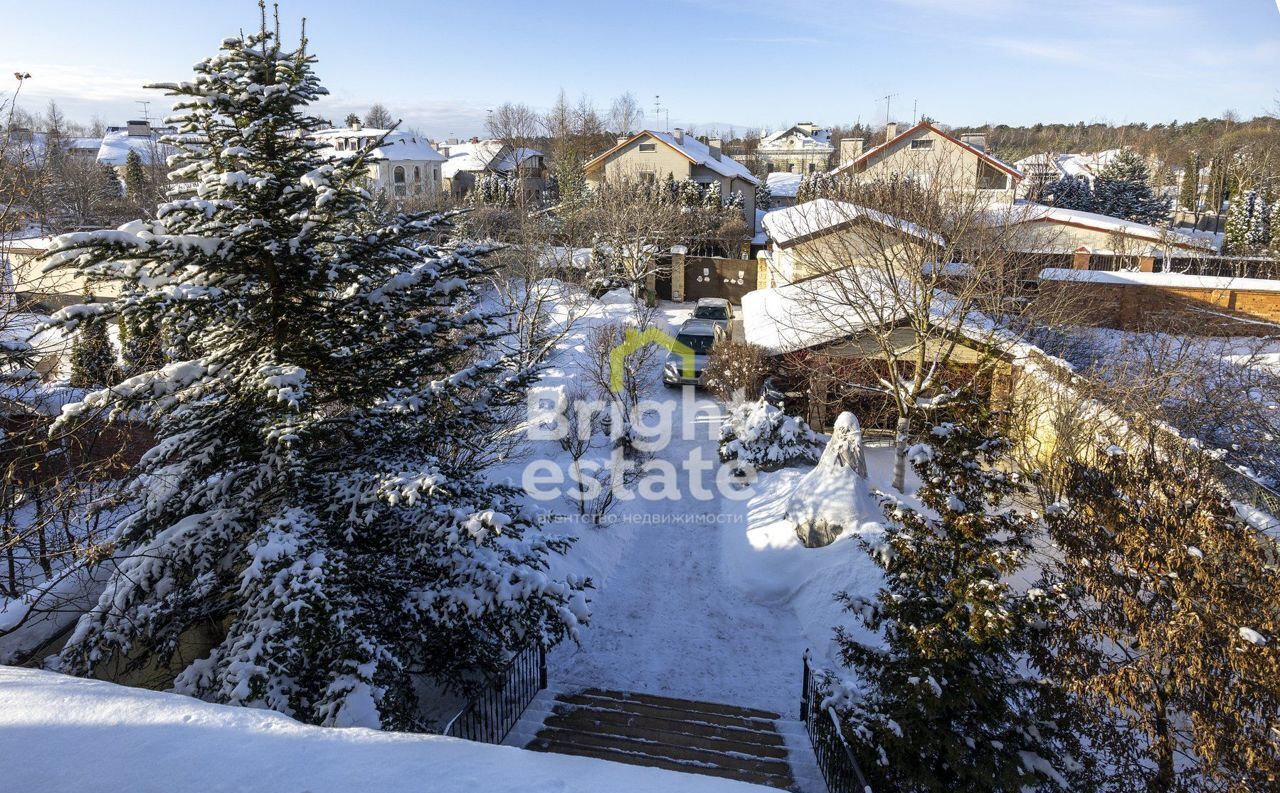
(404,165)
(801,148)
(135,136)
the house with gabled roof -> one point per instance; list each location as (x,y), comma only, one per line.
(468,160)
(649,156)
(801,148)
(926,154)
(403,165)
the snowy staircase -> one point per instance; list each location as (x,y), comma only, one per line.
(739,743)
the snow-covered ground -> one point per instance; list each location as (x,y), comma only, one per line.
(63,733)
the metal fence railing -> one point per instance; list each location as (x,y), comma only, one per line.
(489,715)
(835,759)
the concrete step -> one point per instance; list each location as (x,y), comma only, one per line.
(679,735)
(650,761)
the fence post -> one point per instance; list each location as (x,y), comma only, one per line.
(804,691)
(542,668)
(678,253)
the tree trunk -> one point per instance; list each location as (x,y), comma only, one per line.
(902,437)
(1162,750)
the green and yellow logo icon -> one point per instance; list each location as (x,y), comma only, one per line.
(635,340)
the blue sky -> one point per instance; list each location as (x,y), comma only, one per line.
(746,63)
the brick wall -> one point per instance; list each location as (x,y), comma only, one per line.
(1205,312)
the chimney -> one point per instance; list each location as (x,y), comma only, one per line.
(977,140)
(355,124)
(138,129)
(715,145)
(890,131)
(623,139)
(850,149)
(678,134)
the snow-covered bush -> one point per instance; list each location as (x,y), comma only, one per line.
(736,370)
(763,436)
(835,495)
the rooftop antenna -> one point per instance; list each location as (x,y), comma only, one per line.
(888,100)
(915,107)
(657,109)
(146,116)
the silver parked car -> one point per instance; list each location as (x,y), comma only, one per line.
(699,335)
(717,310)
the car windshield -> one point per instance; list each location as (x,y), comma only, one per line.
(698,343)
(711,312)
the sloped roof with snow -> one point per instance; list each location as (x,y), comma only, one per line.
(693,149)
(783,184)
(813,219)
(876,152)
(818,141)
(485,155)
(117,144)
(398,146)
(1030,212)
(1168,280)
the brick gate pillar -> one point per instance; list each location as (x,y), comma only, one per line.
(678,254)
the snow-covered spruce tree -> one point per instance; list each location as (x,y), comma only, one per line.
(1123,190)
(1169,629)
(1189,195)
(944,703)
(313,497)
(764,196)
(1240,222)
(1070,192)
(93,359)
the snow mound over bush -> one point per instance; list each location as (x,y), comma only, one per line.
(762,435)
(835,496)
(65,733)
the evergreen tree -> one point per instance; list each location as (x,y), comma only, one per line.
(1239,229)
(1123,190)
(711,196)
(1259,236)
(111,187)
(136,184)
(1070,192)
(324,509)
(1169,626)
(93,359)
(1189,196)
(352,120)
(943,703)
(764,196)
(1216,189)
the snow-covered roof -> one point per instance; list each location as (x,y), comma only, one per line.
(814,312)
(398,146)
(692,148)
(485,155)
(804,222)
(875,152)
(117,144)
(783,184)
(1030,212)
(818,141)
(1169,280)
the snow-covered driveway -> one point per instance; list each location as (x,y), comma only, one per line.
(667,619)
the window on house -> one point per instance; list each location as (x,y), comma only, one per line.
(646,148)
(813,167)
(925,143)
(648,177)
(417,174)
(398,175)
(991,178)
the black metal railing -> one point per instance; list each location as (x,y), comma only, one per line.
(835,759)
(494,710)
